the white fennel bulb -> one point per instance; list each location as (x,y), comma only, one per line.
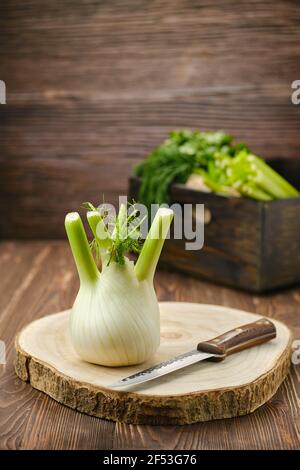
(115,318)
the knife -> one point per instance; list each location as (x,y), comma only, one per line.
(216,349)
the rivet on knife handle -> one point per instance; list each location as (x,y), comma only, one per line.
(238,339)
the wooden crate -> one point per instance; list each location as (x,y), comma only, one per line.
(247,244)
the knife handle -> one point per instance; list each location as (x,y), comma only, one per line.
(240,338)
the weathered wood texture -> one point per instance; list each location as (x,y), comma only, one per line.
(93,86)
(38,278)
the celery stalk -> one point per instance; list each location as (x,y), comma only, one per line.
(278,186)
(251,190)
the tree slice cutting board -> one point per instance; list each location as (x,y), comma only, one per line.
(201,392)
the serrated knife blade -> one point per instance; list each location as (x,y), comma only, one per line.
(230,342)
(163,368)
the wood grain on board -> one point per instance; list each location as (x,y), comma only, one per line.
(93,86)
(38,278)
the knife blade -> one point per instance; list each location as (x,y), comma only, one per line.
(163,368)
(216,349)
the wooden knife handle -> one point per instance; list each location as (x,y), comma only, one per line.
(238,339)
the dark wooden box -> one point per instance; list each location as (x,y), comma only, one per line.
(247,244)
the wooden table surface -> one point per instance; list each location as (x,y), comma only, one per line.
(38,278)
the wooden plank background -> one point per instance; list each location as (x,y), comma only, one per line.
(93,85)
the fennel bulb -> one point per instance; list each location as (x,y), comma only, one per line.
(115,317)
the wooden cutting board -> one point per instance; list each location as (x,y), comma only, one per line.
(201,392)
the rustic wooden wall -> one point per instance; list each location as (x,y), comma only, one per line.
(93,85)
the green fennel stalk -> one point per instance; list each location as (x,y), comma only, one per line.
(150,253)
(85,263)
